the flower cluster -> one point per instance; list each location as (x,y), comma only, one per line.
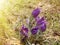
(40,24)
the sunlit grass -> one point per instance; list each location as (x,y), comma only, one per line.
(11,11)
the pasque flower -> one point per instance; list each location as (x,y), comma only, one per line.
(34,30)
(36,12)
(43,27)
(24,30)
(41,24)
(40,20)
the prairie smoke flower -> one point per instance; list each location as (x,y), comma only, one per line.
(36,12)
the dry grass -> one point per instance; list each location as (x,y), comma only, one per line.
(15,12)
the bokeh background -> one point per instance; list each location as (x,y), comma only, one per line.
(13,13)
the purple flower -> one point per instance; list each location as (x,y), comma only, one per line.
(43,27)
(34,30)
(24,31)
(36,12)
(40,21)
(41,24)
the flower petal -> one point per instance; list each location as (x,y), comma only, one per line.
(43,27)
(36,12)
(34,30)
(24,31)
(41,24)
(40,21)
